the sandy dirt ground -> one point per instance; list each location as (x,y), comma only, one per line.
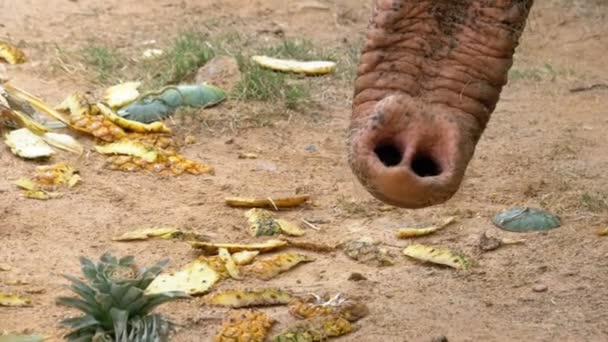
(544,147)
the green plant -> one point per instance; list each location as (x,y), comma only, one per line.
(114,303)
(105,60)
(187,53)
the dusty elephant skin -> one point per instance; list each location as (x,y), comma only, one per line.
(430,75)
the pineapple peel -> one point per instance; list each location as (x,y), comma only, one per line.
(14,300)
(148,233)
(245,325)
(249,298)
(212,248)
(11,54)
(263,223)
(442,256)
(122,94)
(281,202)
(271,267)
(48,178)
(134,126)
(316,329)
(244,257)
(130,148)
(405,233)
(317,306)
(194,279)
(368,252)
(231,267)
(26,144)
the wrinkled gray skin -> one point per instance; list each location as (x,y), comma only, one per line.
(429,77)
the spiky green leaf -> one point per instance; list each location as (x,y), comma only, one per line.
(121,324)
(79,304)
(80,323)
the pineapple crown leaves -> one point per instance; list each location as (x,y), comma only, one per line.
(115,300)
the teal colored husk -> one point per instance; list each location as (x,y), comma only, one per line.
(521,220)
(161,104)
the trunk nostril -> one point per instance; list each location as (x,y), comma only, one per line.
(389,154)
(424,165)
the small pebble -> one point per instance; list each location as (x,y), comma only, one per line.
(311,148)
(356,276)
(439,339)
(540,288)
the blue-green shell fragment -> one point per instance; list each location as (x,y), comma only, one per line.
(521,220)
(160,105)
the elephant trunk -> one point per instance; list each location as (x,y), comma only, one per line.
(430,75)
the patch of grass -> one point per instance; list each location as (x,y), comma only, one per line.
(595,202)
(104,59)
(260,84)
(182,58)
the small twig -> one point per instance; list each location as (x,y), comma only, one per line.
(274,205)
(311,225)
(588,88)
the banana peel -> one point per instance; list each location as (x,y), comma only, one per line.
(249,297)
(271,267)
(442,256)
(405,233)
(212,248)
(195,278)
(11,54)
(14,300)
(295,66)
(281,202)
(245,325)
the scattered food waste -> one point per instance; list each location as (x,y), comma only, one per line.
(122,94)
(310,245)
(369,252)
(148,233)
(315,329)
(231,266)
(263,223)
(489,243)
(272,266)
(11,54)
(244,257)
(212,248)
(195,278)
(152,53)
(294,66)
(441,256)
(26,144)
(248,156)
(522,220)
(47,180)
(14,300)
(249,298)
(405,233)
(316,306)
(602,232)
(245,325)
(159,105)
(274,203)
